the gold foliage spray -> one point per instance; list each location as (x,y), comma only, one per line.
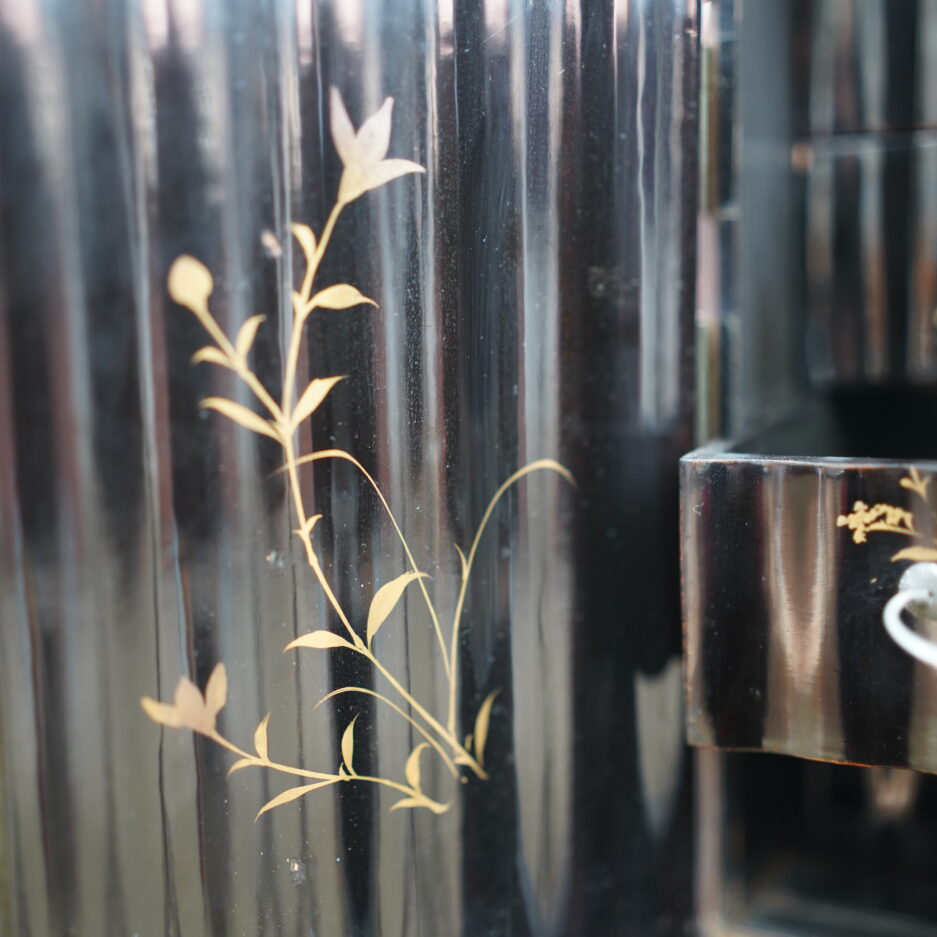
(190,284)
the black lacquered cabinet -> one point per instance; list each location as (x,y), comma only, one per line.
(370,705)
(350,356)
(810,500)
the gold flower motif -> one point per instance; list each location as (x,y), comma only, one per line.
(362,153)
(883,517)
(191,710)
(891,519)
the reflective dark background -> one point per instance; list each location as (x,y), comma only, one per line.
(536,294)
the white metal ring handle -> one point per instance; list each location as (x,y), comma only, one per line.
(918,587)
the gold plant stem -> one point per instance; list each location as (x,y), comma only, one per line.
(443,754)
(266,763)
(395,785)
(411,701)
(237,359)
(320,250)
(292,356)
(302,773)
(317,775)
(297,772)
(348,457)
(407,696)
(538,465)
(224,743)
(301,307)
(458,749)
(301,312)
(311,557)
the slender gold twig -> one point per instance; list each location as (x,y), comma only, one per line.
(416,706)
(210,324)
(224,743)
(304,534)
(300,302)
(539,465)
(443,754)
(318,775)
(348,457)
(321,248)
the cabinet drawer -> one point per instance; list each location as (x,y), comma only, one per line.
(788,564)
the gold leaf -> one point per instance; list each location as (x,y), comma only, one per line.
(385,600)
(321,640)
(241,415)
(216,690)
(358,179)
(312,396)
(294,793)
(339,296)
(343,133)
(212,355)
(407,803)
(190,283)
(163,713)
(481,726)
(247,334)
(241,763)
(260,738)
(412,769)
(307,239)
(919,554)
(348,746)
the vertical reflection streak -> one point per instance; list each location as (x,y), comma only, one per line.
(21,763)
(73,650)
(803,652)
(507,29)
(153,56)
(234,86)
(139,152)
(539,610)
(870,222)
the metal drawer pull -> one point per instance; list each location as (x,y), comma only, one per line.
(918,594)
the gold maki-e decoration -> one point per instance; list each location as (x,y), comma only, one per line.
(365,167)
(865,519)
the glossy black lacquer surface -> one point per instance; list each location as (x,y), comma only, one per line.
(534,291)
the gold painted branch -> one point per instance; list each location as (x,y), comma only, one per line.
(365,167)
